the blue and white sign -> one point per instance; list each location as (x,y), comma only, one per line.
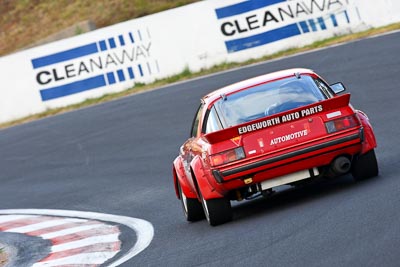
(117,59)
(254,23)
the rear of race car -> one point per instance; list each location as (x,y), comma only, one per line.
(284,129)
(327,138)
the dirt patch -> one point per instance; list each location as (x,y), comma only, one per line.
(3,255)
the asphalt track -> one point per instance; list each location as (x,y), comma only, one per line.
(116,158)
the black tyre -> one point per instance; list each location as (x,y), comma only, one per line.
(365,166)
(192,208)
(217,210)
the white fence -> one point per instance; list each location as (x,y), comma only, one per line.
(196,36)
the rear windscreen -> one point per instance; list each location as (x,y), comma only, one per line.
(268,99)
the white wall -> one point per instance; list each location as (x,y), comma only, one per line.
(195,36)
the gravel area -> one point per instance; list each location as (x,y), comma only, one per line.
(6,254)
(3,255)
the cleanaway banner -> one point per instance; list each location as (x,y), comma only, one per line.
(107,61)
(251,24)
(194,37)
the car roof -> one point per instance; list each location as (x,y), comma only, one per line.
(230,89)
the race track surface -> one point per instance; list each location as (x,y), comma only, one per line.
(115,158)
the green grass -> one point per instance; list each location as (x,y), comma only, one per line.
(23,22)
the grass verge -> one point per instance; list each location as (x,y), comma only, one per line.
(24,22)
(187,74)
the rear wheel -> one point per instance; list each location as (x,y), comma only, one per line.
(365,166)
(192,208)
(217,210)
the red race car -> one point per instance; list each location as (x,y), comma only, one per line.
(282,128)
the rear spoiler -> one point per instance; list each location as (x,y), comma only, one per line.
(266,122)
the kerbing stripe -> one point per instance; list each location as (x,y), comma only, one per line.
(86,242)
(70,238)
(144,231)
(39,226)
(104,230)
(10,218)
(5,226)
(68,231)
(103,247)
(55,229)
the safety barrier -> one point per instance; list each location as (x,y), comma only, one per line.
(195,36)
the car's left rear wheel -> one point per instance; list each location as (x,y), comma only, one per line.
(217,210)
(192,208)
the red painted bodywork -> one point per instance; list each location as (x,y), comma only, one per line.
(266,159)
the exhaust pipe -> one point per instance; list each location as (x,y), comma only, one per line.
(341,165)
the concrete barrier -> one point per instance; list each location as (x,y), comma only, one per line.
(195,36)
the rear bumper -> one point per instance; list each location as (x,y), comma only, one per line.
(304,158)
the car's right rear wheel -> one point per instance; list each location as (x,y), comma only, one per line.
(365,166)
(217,210)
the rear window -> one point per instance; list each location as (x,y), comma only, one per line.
(268,99)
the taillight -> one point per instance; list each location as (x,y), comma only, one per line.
(227,156)
(342,124)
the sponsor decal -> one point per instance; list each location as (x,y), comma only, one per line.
(280,119)
(260,142)
(236,140)
(254,23)
(259,125)
(251,152)
(288,137)
(118,59)
(333,114)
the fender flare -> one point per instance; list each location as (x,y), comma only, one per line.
(179,175)
(201,178)
(369,136)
